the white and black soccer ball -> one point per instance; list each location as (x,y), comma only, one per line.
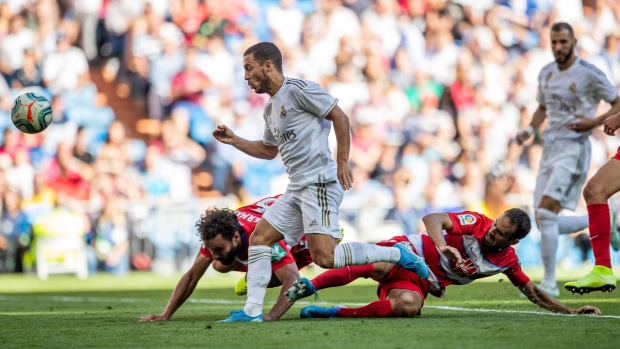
(31,112)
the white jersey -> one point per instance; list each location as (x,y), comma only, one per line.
(295,123)
(576,90)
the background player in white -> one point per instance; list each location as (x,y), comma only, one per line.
(298,119)
(569,92)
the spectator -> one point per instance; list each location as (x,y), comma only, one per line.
(111,240)
(29,74)
(67,68)
(163,69)
(186,91)
(13,46)
(87,13)
(15,234)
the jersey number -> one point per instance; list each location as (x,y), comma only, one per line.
(262,205)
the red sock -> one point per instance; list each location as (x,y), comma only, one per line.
(600,231)
(342,276)
(375,309)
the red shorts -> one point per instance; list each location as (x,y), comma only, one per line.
(402,279)
(302,259)
(617,156)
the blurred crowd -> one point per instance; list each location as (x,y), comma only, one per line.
(435,91)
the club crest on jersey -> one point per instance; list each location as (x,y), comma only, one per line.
(269,107)
(282,112)
(467,219)
(548,76)
(572,88)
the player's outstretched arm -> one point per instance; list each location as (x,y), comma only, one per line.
(543,300)
(287,276)
(184,289)
(584,123)
(340,120)
(539,116)
(257,149)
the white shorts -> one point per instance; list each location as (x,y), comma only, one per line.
(563,171)
(311,210)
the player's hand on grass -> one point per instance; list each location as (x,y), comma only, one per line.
(452,254)
(345,175)
(588,309)
(224,134)
(611,124)
(582,124)
(152,317)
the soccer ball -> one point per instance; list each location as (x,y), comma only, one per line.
(31,112)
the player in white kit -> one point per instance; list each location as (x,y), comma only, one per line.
(569,92)
(298,118)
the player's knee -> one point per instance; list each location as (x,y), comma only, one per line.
(324,260)
(407,305)
(265,236)
(593,193)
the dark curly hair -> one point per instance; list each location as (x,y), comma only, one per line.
(266,51)
(218,221)
(521,220)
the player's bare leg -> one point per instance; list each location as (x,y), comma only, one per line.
(598,190)
(405,303)
(259,271)
(547,221)
(399,303)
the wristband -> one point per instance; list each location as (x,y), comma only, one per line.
(529,129)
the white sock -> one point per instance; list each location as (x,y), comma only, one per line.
(548,226)
(358,253)
(572,224)
(258,276)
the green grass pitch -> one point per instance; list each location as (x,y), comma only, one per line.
(102,312)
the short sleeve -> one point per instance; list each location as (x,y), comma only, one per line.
(601,87)
(466,223)
(540,96)
(205,252)
(312,98)
(268,138)
(516,275)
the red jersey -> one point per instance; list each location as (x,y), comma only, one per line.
(248,216)
(468,231)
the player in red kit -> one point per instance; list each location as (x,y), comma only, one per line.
(604,184)
(225,239)
(458,248)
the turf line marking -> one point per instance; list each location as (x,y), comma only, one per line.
(479,310)
(240,302)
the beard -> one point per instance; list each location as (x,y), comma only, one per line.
(262,83)
(232,255)
(567,56)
